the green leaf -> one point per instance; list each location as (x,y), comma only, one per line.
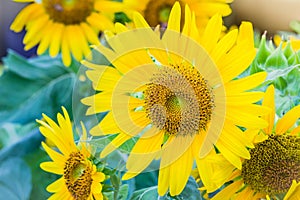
(15,179)
(121,195)
(190,191)
(12,133)
(276,60)
(41,179)
(263,51)
(34,86)
(288,50)
(27,144)
(145,194)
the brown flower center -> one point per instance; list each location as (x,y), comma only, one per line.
(68,11)
(157,12)
(274,164)
(179,100)
(78,176)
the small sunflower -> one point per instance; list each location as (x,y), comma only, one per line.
(273,171)
(157,12)
(80,178)
(66,26)
(176,93)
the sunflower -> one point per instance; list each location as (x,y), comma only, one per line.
(65,26)
(157,12)
(273,171)
(175,92)
(80,178)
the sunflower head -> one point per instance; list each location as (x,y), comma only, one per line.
(68,27)
(273,169)
(80,178)
(273,165)
(158,12)
(176,93)
(68,12)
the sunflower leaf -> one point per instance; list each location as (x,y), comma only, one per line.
(145,194)
(33,86)
(15,179)
(12,133)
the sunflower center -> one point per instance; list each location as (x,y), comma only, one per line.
(78,176)
(274,164)
(68,11)
(157,12)
(179,100)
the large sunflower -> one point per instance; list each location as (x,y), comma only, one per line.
(273,171)
(176,93)
(66,26)
(80,179)
(157,12)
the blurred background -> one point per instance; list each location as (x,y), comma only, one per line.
(270,15)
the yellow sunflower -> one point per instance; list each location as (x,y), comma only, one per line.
(273,171)
(80,178)
(66,26)
(157,12)
(178,93)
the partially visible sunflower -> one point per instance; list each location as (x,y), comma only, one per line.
(178,93)
(273,171)
(294,42)
(80,178)
(66,26)
(157,12)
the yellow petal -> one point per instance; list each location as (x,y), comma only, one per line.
(229,155)
(246,83)
(269,100)
(56,185)
(288,120)
(107,126)
(183,166)
(246,33)
(143,153)
(212,33)
(90,34)
(236,61)
(229,191)
(224,45)
(174,18)
(24,16)
(163,180)
(55,43)
(118,141)
(188,20)
(55,156)
(294,191)
(65,50)
(45,41)
(243,98)
(74,44)
(36,28)
(100,102)
(52,167)
(139,21)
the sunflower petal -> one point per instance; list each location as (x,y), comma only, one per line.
(288,120)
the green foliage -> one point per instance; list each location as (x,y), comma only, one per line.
(190,192)
(33,86)
(15,179)
(13,133)
(283,67)
(40,178)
